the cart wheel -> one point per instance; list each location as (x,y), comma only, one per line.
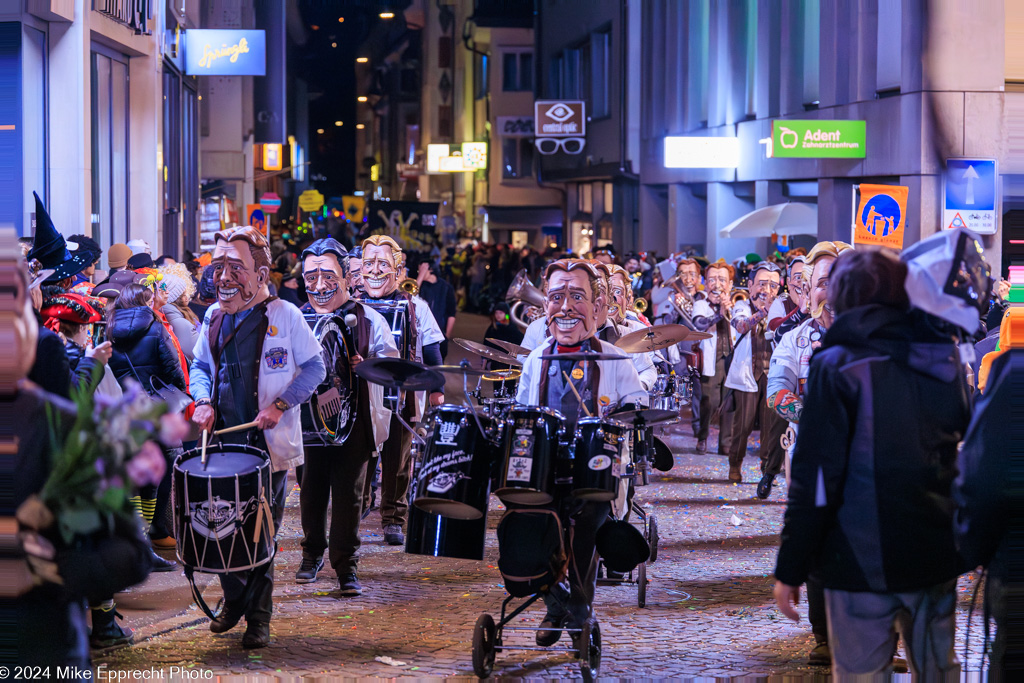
(483,646)
(641,584)
(590,650)
(652,537)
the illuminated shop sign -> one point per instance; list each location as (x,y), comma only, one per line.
(460,158)
(819,139)
(216,52)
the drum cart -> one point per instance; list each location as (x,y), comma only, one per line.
(648,524)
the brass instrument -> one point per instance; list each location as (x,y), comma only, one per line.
(409,286)
(739,294)
(522,293)
(640,305)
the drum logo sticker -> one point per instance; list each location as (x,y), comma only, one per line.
(271,331)
(444,482)
(276,358)
(216,519)
(447,431)
(599,462)
(519,468)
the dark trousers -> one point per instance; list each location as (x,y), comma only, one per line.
(262,605)
(158,529)
(712,392)
(396,472)
(578,601)
(750,408)
(816,608)
(338,473)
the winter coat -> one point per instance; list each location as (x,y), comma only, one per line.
(870,503)
(143,349)
(82,367)
(186,331)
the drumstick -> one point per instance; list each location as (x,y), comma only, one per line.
(236,428)
(202,455)
(578,397)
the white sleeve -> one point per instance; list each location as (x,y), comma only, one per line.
(785,355)
(382,341)
(201,351)
(426,326)
(304,344)
(536,333)
(628,385)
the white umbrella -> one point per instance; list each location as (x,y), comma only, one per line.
(794,218)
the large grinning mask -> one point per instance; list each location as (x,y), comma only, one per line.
(572,305)
(382,260)
(325,275)
(241,269)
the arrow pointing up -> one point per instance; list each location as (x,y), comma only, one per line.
(970,175)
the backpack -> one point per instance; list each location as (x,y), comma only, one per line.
(531,551)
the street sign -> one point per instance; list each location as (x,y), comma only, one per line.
(969,192)
(560,118)
(270,202)
(256,218)
(310,200)
(881,215)
(818,139)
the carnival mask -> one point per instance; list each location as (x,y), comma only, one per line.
(379,271)
(619,289)
(240,283)
(326,285)
(355,274)
(817,290)
(571,307)
(689,277)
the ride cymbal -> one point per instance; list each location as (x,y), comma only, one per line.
(658,337)
(396,373)
(487,352)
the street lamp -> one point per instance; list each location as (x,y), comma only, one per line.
(361,98)
(338,123)
(362,60)
(387,15)
(360,126)
(320,131)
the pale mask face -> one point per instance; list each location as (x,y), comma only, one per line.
(719,285)
(326,287)
(795,284)
(618,288)
(240,285)
(689,276)
(571,310)
(767,285)
(379,272)
(818,294)
(355,277)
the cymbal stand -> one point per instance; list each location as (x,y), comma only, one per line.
(398,414)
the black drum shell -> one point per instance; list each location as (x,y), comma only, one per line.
(454,476)
(531,452)
(235,476)
(437,536)
(597,459)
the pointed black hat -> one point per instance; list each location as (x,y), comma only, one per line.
(49,247)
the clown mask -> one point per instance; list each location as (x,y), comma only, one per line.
(326,286)
(240,283)
(572,307)
(379,272)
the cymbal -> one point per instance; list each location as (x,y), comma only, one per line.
(649,416)
(487,352)
(583,355)
(658,337)
(503,375)
(514,349)
(396,373)
(463,368)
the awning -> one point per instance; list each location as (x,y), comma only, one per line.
(523,217)
(793,218)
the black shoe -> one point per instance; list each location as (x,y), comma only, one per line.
(551,631)
(393,534)
(308,569)
(350,586)
(821,655)
(702,447)
(106,632)
(160,564)
(228,618)
(615,576)
(257,635)
(764,487)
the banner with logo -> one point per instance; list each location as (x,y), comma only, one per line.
(881,215)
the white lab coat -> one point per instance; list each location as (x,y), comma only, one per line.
(619,382)
(741,372)
(792,358)
(536,334)
(708,346)
(381,344)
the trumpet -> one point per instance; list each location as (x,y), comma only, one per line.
(409,286)
(739,294)
(640,305)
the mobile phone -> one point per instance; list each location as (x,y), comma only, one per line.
(99,333)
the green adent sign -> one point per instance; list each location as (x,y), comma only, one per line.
(819,139)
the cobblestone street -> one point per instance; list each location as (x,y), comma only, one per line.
(709,607)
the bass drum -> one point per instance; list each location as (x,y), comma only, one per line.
(454,476)
(438,536)
(223,516)
(330,414)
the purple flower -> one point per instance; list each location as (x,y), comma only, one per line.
(148,465)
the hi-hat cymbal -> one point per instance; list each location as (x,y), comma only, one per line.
(396,373)
(649,416)
(583,356)
(514,349)
(462,368)
(658,337)
(509,375)
(487,352)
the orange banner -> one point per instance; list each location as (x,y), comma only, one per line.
(881,215)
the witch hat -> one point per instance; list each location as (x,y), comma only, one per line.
(50,248)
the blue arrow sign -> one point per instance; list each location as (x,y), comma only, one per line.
(971,184)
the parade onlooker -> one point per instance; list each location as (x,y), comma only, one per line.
(80,244)
(440,296)
(140,246)
(870,503)
(117,257)
(206,294)
(178,288)
(140,261)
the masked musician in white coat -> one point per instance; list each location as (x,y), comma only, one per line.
(573,298)
(336,473)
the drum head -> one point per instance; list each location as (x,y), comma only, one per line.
(221,464)
(523,496)
(448,508)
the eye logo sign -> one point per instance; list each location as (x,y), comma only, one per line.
(560,118)
(560,112)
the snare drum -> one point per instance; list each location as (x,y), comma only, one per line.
(223,514)
(531,450)
(454,477)
(437,536)
(597,459)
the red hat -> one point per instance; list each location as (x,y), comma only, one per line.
(70,307)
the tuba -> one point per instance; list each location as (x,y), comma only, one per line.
(522,293)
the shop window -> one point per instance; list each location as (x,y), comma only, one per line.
(517,158)
(517,71)
(600,65)
(109,109)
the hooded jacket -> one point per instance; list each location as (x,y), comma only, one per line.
(870,503)
(142,349)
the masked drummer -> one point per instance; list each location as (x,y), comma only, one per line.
(574,297)
(256,360)
(418,338)
(337,473)
(355,269)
